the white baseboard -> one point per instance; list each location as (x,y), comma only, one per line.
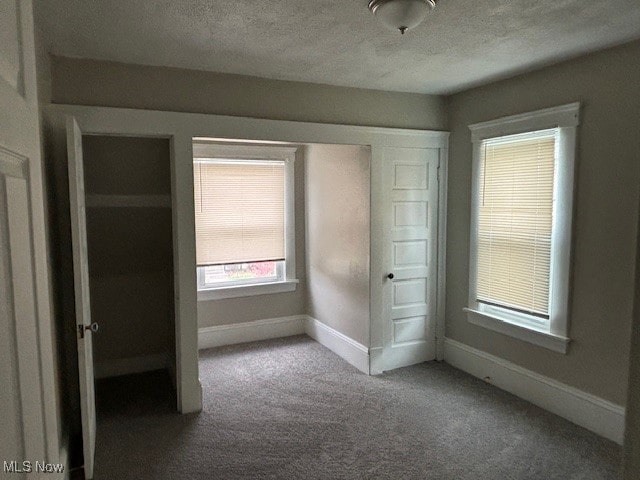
(220,335)
(376,361)
(593,413)
(127,366)
(353,352)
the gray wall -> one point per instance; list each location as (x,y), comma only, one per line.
(246,309)
(337,210)
(130,249)
(100,83)
(632,437)
(608,174)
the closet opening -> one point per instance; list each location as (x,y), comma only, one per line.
(131,274)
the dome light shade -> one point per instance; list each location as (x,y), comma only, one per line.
(401,15)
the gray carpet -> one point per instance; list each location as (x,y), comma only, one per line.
(290,408)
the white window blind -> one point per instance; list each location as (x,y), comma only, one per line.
(515,220)
(239,211)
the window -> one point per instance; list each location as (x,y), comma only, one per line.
(211,276)
(522,203)
(243,198)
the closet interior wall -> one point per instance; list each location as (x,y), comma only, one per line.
(129,236)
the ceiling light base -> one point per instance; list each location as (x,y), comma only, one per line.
(401,15)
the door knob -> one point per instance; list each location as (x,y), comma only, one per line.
(94,327)
(390,276)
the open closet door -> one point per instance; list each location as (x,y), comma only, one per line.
(84,327)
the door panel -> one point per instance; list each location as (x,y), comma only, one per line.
(30,422)
(82,300)
(18,311)
(411,193)
(408,329)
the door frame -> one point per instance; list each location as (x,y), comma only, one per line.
(181,128)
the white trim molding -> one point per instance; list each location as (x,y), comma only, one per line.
(376,360)
(204,148)
(211,150)
(552,333)
(561,116)
(589,411)
(231,334)
(130,365)
(441,301)
(236,291)
(353,352)
(542,338)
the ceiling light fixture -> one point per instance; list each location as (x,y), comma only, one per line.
(401,15)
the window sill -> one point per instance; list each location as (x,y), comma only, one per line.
(247,290)
(542,338)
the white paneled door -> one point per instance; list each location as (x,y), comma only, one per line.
(411,234)
(28,403)
(84,327)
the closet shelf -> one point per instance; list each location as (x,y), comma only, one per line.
(135,201)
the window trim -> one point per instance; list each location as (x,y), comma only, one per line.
(247,290)
(553,335)
(204,149)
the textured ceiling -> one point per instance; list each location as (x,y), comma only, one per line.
(338,42)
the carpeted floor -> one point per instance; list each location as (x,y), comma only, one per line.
(291,409)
